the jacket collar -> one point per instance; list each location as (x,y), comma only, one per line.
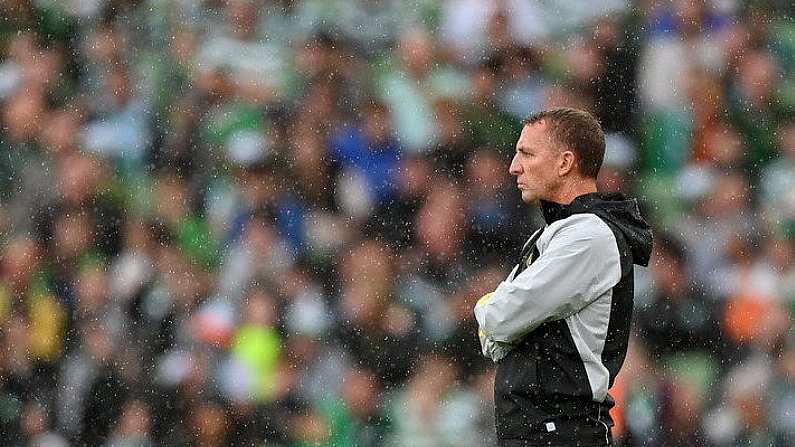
(553,211)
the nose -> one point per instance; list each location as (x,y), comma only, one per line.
(515,168)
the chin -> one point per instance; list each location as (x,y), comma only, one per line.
(529,198)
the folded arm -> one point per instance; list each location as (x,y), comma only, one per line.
(580,263)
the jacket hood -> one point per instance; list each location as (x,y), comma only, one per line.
(614,208)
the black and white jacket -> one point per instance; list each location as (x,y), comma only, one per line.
(558,326)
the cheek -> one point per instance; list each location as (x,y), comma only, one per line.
(545,168)
(544,174)
(534,168)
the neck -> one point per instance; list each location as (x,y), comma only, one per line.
(573,189)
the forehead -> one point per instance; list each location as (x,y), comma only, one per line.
(534,134)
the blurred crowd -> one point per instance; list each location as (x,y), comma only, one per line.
(266,222)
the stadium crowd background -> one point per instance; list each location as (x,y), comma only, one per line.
(266,222)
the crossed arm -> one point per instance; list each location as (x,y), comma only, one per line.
(580,264)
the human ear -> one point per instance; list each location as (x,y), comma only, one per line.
(566,163)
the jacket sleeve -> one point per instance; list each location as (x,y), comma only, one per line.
(580,263)
(492,349)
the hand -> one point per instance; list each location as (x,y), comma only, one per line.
(494,350)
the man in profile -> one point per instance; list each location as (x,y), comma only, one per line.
(558,325)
